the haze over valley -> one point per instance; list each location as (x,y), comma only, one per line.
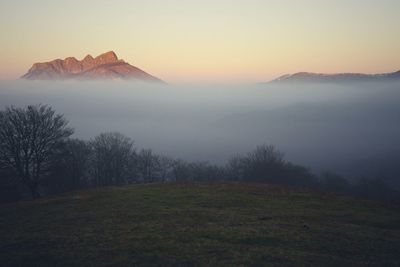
(335,127)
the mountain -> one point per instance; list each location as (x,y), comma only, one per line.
(104,66)
(308,77)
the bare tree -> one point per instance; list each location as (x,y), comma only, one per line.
(112,153)
(148,165)
(77,154)
(235,168)
(166,166)
(29,138)
(264,164)
(70,170)
(181,171)
(266,155)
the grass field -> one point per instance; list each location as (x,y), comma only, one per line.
(225,224)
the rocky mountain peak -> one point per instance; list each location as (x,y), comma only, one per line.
(88,58)
(106,58)
(104,66)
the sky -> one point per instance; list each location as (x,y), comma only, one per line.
(184,41)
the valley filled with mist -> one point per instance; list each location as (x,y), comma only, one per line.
(351,129)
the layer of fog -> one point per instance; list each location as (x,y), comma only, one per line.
(319,126)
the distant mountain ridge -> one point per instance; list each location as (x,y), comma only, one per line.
(104,66)
(309,77)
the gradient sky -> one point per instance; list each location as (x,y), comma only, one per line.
(206,40)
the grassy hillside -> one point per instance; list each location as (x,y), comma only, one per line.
(199,225)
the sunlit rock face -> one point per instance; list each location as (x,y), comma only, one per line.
(104,66)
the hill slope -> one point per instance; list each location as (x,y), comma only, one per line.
(199,225)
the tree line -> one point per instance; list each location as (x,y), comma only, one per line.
(39,157)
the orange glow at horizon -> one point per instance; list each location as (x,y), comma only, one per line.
(206,41)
